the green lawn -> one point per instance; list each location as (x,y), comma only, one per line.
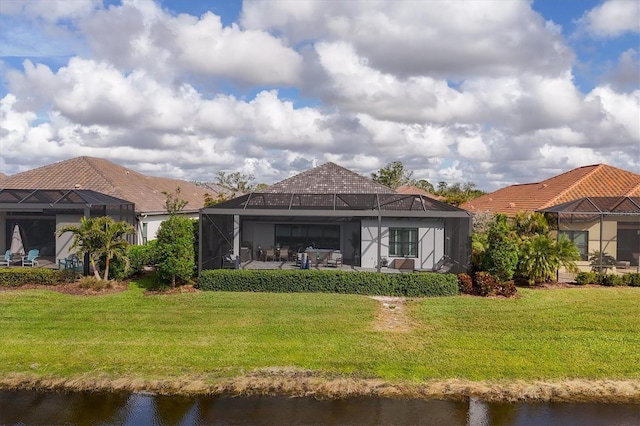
(590,333)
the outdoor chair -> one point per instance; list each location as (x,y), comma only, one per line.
(30,258)
(270,254)
(72,262)
(335,259)
(6,260)
(284,255)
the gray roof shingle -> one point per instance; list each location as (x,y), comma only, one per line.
(329,178)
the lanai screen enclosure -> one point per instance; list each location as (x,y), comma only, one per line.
(366,228)
(606,226)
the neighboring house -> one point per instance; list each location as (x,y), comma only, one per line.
(597,207)
(410,189)
(78,181)
(333,208)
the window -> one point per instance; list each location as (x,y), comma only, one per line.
(580,239)
(403,242)
(302,235)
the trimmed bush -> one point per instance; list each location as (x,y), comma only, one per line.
(294,281)
(14,277)
(465,284)
(632,279)
(589,278)
(611,280)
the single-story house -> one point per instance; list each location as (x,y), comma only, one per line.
(595,206)
(332,208)
(42,200)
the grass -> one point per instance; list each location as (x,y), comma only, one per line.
(586,333)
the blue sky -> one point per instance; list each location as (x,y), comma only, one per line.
(494,92)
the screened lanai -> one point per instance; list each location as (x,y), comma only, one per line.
(365,228)
(40,212)
(603,228)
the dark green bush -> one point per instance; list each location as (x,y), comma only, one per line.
(612,280)
(591,277)
(465,284)
(370,283)
(14,277)
(632,279)
(141,256)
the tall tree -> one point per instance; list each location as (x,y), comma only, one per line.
(100,237)
(393,175)
(236,182)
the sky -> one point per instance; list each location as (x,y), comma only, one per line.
(492,92)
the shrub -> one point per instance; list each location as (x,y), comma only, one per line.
(612,280)
(371,283)
(174,250)
(632,279)
(588,278)
(484,284)
(506,289)
(141,256)
(69,275)
(465,284)
(93,283)
(501,255)
(14,277)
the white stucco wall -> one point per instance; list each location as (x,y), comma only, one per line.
(153,222)
(63,243)
(430,241)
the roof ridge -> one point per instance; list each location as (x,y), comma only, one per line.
(596,167)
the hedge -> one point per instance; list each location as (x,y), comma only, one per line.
(14,277)
(594,277)
(294,281)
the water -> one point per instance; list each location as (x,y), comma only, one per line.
(40,408)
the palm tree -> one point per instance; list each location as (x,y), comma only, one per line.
(99,237)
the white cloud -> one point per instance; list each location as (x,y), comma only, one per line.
(408,38)
(612,19)
(140,35)
(49,10)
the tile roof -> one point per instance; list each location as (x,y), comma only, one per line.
(414,190)
(328,178)
(2,176)
(108,178)
(599,180)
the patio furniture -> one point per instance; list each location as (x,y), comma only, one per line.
(6,260)
(30,258)
(335,259)
(72,262)
(270,254)
(284,255)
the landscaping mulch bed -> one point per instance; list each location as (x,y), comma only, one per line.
(73,288)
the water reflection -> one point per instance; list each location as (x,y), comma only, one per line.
(37,408)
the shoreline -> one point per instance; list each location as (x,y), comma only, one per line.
(299,383)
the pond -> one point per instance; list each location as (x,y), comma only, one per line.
(39,408)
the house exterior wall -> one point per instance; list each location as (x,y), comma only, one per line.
(609,237)
(3,234)
(153,222)
(430,241)
(64,241)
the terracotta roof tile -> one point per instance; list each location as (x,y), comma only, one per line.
(414,190)
(111,179)
(328,178)
(598,180)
